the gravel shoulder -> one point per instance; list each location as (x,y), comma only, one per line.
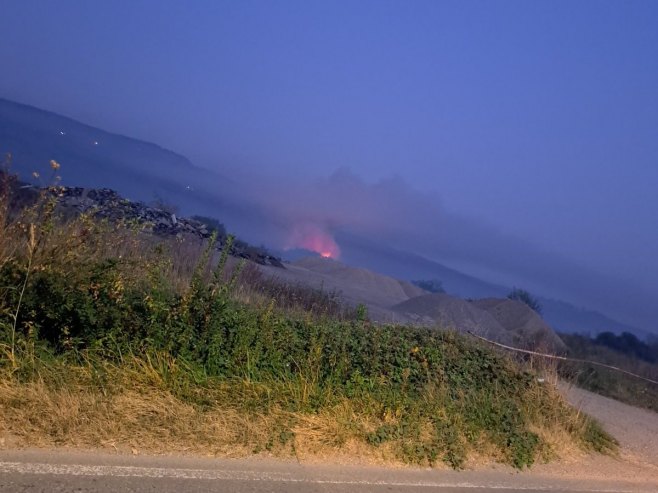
(636,430)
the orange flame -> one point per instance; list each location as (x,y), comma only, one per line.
(313,238)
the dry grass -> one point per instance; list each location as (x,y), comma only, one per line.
(133,413)
(131,407)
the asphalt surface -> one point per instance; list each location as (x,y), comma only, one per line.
(56,471)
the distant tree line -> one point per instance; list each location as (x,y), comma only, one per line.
(630,345)
(624,351)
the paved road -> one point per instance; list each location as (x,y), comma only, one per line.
(58,472)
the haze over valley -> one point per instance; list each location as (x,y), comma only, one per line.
(385,226)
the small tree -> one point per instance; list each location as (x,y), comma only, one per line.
(524,296)
(431,285)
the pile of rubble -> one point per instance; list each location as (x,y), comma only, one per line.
(107,204)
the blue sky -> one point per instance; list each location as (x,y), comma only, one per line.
(539,119)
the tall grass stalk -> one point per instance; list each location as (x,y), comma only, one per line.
(31,248)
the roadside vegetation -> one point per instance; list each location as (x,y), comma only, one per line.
(624,351)
(111,338)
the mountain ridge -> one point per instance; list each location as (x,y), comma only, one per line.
(73,121)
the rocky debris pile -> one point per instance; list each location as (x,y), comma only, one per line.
(107,204)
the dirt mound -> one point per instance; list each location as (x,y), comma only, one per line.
(378,292)
(361,279)
(393,301)
(524,325)
(453,313)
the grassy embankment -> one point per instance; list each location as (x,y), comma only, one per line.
(109,338)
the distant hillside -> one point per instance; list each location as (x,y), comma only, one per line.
(94,158)
(571,319)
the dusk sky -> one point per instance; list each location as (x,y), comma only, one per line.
(535,119)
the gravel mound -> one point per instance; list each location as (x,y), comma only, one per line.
(524,325)
(453,313)
(390,300)
(390,290)
(378,292)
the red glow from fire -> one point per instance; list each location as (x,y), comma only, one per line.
(313,238)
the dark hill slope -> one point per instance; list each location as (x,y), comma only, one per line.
(93,158)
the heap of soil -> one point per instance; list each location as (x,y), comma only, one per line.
(525,326)
(454,313)
(377,291)
(390,300)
